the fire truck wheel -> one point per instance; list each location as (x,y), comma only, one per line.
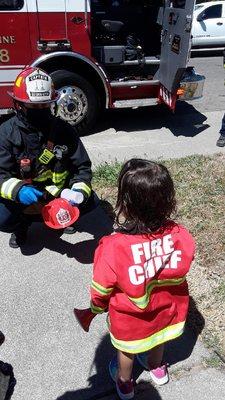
(78,102)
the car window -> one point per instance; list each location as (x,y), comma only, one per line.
(11,4)
(213,12)
(198,6)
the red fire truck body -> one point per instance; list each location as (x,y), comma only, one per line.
(100,53)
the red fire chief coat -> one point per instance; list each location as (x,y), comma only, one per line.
(141,281)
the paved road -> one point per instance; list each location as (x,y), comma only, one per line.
(214,93)
(156,133)
(52,358)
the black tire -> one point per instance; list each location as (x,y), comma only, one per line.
(63,78)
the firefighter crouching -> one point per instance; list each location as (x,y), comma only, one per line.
(40,156)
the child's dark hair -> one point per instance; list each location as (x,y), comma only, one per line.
(146,196)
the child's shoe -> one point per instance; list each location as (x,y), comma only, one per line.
(125,390)
(159,375)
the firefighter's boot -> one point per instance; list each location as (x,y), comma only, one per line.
(19,237)
(70,230)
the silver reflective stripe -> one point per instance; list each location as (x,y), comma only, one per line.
(8,186)
(53,190)
(82,186)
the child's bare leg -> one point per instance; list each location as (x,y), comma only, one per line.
(125,364)
(155,357)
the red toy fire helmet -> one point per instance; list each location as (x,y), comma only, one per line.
(59,214)
(33,86)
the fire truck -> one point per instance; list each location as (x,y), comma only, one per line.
(100,53)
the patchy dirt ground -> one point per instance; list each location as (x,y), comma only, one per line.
(200,188)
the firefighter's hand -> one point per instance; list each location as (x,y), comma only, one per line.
(73,196)
(28,195)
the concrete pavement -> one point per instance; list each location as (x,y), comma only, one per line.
(199,384)
(51,356)
(155,134)
(42,283)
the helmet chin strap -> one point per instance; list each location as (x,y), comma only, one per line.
(16,105)
(19,109)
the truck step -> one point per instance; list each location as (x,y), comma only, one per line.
(145,60)
(135,103)
(135,83)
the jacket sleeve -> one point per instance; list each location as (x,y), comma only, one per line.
(104,280)
(80,173)
(9,184)
(81,180)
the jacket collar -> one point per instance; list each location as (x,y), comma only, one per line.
(23,123)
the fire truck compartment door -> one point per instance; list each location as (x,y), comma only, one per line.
(15,47)
(78,26)
(52,20)
(176,33)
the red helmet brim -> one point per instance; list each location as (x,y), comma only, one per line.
(57,95)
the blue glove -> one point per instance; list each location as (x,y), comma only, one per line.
(28,195)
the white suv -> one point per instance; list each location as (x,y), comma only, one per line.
(208,29)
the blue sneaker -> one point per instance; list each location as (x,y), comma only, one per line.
(125,390)
(158,375)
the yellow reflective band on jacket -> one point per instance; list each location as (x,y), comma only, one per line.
(142,302)
(7,188)
(97,310)
(82,186)
(44,176)
(100,289)
(142,345)
(58,177)
(53,190)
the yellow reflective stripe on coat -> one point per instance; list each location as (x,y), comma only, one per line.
(101,289)
(142,302)
(44,176)
(97,310)
(82,186)
(53,190)
(8,186)
(58,177)
(142,345)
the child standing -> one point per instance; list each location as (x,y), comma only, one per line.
(140,273)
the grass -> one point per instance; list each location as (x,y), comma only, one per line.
(200,188)
(213,362)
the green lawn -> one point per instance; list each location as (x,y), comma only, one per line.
(200,188)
